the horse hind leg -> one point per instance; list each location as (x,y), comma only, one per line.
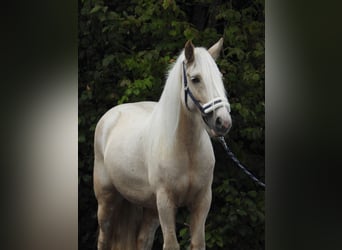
(119,220)
(148,227)
(107,202)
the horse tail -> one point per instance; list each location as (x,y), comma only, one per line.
(126,224)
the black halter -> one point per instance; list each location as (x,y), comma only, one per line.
(207,107)
(187,92)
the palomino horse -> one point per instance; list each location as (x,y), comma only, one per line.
(151,158)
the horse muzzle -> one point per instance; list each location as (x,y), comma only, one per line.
(218,121)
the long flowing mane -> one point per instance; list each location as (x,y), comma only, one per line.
(168,108)
(169,105)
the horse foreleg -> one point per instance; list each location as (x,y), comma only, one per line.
(199,212)
(166,211)
(149,225)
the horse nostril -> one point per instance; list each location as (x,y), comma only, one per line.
(221,125)
(218,122)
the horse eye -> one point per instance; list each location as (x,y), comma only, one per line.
(195,79)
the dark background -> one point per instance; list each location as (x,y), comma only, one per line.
(125,50)
(40,120)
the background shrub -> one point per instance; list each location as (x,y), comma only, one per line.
(125,49)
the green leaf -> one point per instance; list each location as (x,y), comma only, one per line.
(253,217)
(190,33)
(136,91)
(252,193)
(207,236)
(168,3)
(104,29)
(96,9)
(107,60)
(241,212)
(81,138)
(183,232)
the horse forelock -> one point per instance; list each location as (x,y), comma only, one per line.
(210,73)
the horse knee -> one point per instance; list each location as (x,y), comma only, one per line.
(105,224)
(105,216)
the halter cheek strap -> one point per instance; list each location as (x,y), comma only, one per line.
(207,107)
(187,93)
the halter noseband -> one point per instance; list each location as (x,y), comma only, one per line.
(207,107)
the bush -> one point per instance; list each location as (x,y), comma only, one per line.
(125,49)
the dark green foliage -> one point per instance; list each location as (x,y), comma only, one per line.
(125,49)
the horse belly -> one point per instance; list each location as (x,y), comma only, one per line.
(124,158)
(129,176)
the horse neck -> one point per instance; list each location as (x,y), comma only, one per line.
(189,129)
(172,124)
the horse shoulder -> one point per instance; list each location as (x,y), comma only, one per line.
(203,163)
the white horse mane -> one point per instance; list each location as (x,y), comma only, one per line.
(168,107)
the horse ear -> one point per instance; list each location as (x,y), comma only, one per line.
(215,50)
(189,52)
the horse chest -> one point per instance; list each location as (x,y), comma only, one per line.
(188,178)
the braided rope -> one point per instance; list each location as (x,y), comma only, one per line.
(234,159)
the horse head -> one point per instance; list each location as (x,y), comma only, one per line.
(204,91)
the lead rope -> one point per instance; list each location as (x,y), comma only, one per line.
(234,159)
